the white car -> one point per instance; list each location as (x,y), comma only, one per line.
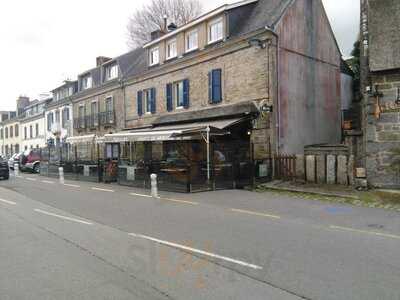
(14,160)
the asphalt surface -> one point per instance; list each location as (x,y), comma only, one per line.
(94,241)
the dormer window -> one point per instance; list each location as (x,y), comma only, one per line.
(86,82)
(154,56)
(171,49)
(215,30)
(192,40)
(111,72)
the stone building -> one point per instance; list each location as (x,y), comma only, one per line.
(10,131)
(244,82)
(59,117)
(32,125)
(276,55)
(10,137)
(380,85)
(98,105)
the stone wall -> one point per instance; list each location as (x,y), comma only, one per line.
(383,130)
(325,169)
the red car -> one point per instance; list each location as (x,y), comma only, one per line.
(30,161)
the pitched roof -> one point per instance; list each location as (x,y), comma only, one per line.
(132,63)
(259,15)
(384,28)
(245,17)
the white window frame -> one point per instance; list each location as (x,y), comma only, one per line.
(217,21)
(111,71)
(95,115)
(146,98)
(175,93)
(81,108)
(187,39)
(152,61)
(167,52)
(86,82)
(112,103)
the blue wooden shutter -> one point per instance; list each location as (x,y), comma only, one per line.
(216,86)
(186,93)
(140,103)
(169,97)
(210,96)
(153,100)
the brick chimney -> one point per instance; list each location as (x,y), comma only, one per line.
(101,60)
(22,102)
(160,32)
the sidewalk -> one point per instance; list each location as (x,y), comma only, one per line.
(317,189)
(380,198)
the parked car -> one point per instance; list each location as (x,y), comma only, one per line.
(30,161)
(14,160)
(4,171)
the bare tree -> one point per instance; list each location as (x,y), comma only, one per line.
(151,17)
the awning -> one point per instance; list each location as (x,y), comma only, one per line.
(174,132)
(81,139)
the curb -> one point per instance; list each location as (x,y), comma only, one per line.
(293,190)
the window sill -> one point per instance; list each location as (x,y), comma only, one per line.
(215,41)
(215,102)
(191,50)
(154,65)
(168,59)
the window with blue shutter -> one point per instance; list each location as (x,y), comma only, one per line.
(140,103)
(153,100)
(216,86)
(169,97)
(186,93)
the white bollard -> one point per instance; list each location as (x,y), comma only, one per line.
(154,189)
(16,170)
(61,173)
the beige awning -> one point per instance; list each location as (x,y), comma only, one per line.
(173,132)
(82,139)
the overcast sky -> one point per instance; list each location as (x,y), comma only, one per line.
(44,42)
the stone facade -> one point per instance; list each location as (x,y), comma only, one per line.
(382,130)
(10,141)
(35,132)
(298,90)
(380,84)
(247,74)
(115,92)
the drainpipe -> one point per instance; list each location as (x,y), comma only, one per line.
(208,153)
(122,85)
(278,102)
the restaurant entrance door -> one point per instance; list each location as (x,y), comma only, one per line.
(111,160)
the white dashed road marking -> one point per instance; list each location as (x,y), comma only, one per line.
(8,202)
(31,179)
(140,195)
(63,217)
(365,232)
(102,190)
(47,181)
(72,185)
(179,201)
(255,213)
(193,250)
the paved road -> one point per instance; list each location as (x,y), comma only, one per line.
(219,245)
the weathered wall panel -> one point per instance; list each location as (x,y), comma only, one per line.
(309,78)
